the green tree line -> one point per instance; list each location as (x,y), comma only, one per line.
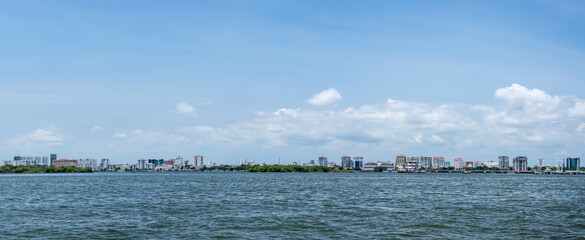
(43,169)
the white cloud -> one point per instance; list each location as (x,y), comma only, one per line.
(528,118)
(47,136)
(120,135)
(325,97)
(580,128)
(436,139)
(96,129)
(185,108)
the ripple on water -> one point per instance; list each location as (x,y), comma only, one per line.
(291,205)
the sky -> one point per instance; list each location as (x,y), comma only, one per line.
(292,80)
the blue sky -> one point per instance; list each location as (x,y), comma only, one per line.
(232,79)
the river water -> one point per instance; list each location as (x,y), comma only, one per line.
(291,205)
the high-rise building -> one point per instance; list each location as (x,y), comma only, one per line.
(447,164)
(426,162)
(400,161)
(322,161)
(458,163)
(520,163)
(45,161)
(141,163)
(52,158)
(540,163)
(358,162)
(346,162)
(104,164)
(573,163)
(438,162)
(198,161)
(503,162)
(89,162)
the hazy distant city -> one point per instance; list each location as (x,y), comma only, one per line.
(402,163)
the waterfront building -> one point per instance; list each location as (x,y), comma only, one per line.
(388,165)
(540,163)
(198,161)
(411,166)
(413,159)
(178,163)
(312,162)
(426,162)
(52,158)
(573,163)
(89,162)
(447,164)
(477,164)
(45,161)
(346,162)
(65,162)
(322,161)
(458,164)
(370,166)
(150,166)
(491,164)
(156,162)
(468,164)
(358,162)
(503,162)
(438,162)
(520,163)
(331,164)
(400,161)
(142,163)
(104,164)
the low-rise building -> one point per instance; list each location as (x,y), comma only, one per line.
(65,162)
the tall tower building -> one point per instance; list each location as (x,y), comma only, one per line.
(520,163)
(573,163)
(438,162)
(400,161)
(426,162)
(540,163)
(358,162)
(323,161)
(346,162)
(503,162)
(52,158)
(198,161)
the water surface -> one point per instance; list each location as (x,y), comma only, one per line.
(291,205)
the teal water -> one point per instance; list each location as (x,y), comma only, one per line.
(291,205)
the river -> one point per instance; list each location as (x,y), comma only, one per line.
(194,205)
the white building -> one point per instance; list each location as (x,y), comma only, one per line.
(503,162)
(198,161)
(426,162)
(88,162)
(458,164)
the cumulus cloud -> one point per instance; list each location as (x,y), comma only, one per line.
(527,118)
(46,136)
(96,129)
(120,135)
(185,108)
(325,97)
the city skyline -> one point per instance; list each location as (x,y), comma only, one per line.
(293,80)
